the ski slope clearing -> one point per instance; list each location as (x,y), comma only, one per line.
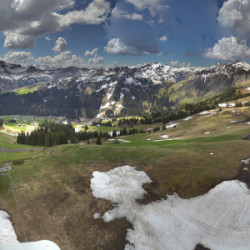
(218,220)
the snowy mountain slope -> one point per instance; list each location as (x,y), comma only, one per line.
(137,89)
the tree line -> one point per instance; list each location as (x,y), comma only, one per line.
(49,134)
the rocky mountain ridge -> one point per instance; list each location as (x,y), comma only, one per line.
(128,90)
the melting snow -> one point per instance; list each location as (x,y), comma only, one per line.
(8,238)
(207,113)
(204,78)
(172,125)
(129,80)
(123,140)
(223,105)
(4,169)
(172,139)
(100,78)
(218,219)
(121,95)
(247,161)
(38,245)
(242,65)
(7,232)
(96,216)
(188,118)
(164,136)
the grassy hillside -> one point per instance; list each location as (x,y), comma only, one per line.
(53,185)
(30,88)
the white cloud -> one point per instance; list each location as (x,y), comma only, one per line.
(154,6)
(47,38)
(234,15)
(20,57)
(228,48)
(33,7)
(22,21)
(60,45)
(62,60)
(115,46)
(133,16)
(96,13)
(15,40)
(91,53)
(163,38)
(118,13)
(96,60)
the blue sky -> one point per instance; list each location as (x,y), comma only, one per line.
(96,33)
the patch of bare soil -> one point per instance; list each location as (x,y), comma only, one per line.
(62,211)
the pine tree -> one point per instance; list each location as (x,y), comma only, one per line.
(49,140)
(98,141)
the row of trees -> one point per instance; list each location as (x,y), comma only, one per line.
(56,102)
(50,134)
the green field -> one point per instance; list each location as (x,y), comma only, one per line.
(30,88)
(53,185)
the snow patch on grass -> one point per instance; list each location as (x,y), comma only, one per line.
(247,161)
(122,140)
(37,245)
(173,125)
(172,139)
(164,136)
(188,118)
(7,232)
(207,113)
(218,219)
(8,238)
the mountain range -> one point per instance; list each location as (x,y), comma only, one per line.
(101,92)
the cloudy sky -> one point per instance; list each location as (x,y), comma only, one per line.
(95,33)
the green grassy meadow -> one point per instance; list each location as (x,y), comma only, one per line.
(53,185)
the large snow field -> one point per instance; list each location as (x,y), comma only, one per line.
(219,219)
